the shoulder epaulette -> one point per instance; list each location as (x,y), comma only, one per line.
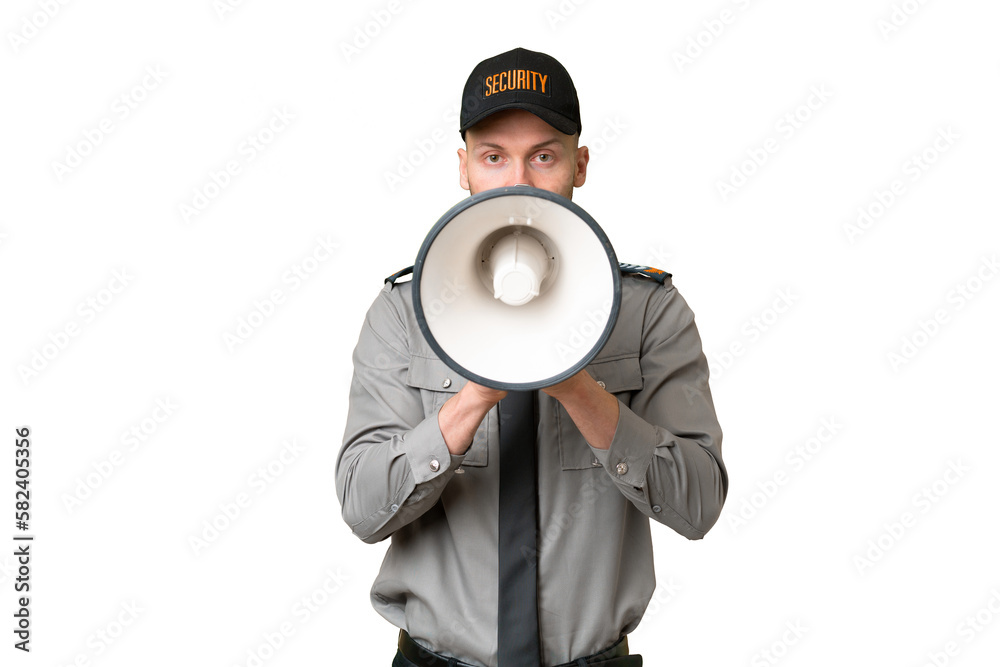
(658,275)
(399,274)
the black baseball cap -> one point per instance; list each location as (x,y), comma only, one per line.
(521,79)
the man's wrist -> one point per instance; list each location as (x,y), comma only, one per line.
(592,409)
(460,416)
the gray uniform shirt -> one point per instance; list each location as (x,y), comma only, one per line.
(396,477)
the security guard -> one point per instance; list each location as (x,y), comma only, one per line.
(632,437)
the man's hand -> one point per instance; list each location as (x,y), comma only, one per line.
(593,410)
(461,415)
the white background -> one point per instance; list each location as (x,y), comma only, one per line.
(843,547)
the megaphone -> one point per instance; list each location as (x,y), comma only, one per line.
(516,288)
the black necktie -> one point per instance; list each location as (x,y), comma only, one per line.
(517,621)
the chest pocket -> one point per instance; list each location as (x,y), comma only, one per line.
(620,377)
(437,383)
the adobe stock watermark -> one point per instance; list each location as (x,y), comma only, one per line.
(720,363)
(411,159)
(787,126)
(956,299)
(771,655)
(40,358)
(451,291)
(921,503)
(610,132)
(32,24)
(223,8)
(264,308)
(966,631)
(711,30)
(122,106)
(752,330)
(589,495)
(301,612)
(366,33)
(663,595)
(131,439)
(560,12)
(258,482)
(912,170)
(899,15)
(660,257)
(218,180)
(582,334)
(373,372)
(458,629)
(108,634)
(795,459)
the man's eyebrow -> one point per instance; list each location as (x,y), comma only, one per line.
(543,144)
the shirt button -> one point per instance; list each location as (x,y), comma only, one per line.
(446,383)
(595,463)
(393,507)
(622,468)
(460,471)
(600,383)
(656,508)
(435,466)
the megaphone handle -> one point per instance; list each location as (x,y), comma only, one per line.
(399,274)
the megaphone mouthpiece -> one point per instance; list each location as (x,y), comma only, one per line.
(519,264)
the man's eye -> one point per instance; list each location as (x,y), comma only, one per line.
(492,159)
(544,157)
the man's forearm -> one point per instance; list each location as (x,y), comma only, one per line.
(461,415)
(592,409)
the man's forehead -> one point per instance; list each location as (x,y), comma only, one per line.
(514,127)
(514,140)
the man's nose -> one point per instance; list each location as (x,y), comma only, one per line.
(519,175)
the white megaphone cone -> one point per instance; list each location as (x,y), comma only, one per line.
(516,288)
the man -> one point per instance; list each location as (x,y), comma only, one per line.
(630,438)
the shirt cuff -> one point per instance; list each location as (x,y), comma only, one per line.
(631,451)
(427,453)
